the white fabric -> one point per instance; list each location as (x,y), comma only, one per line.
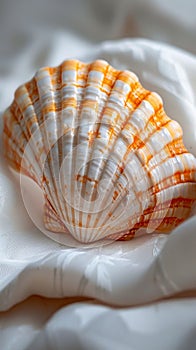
(125,274)
(36,326)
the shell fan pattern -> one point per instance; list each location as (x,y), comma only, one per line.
(110,162)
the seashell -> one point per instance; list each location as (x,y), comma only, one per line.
(110,162)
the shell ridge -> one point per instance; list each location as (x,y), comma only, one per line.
(68,68)
(49,121)
(69,214)
(61,150)
(98,124)
(9,139)
(74,147)
(76,110)
(45,91)
(55,151)
(52,220)
(23,141)
(93,125)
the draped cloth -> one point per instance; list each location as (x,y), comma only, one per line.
(127,295)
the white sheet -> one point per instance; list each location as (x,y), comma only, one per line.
(125,274)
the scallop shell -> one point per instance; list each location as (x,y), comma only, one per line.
(109,160)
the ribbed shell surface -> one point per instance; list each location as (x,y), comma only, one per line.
(109,160)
